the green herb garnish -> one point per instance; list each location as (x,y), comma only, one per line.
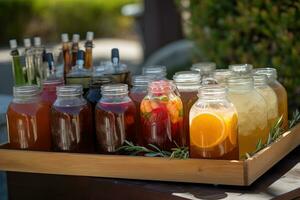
(295,119)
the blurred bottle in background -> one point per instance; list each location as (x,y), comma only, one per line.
(29,60)
(75,48)
(17,68)
(39,51)
(88,61)
(66,53)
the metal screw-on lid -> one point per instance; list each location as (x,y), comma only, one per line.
(76,38)
(13,44)
(37,41)
(65,37)
(27,43)
(89,36)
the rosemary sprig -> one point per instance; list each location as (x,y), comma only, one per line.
(131,149)
(295,119)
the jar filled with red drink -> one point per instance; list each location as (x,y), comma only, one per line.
(28,120)
(49,89)
(162,116)
(187,83)
(115,118)
(137,93)
(71,121)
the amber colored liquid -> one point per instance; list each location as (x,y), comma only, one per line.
(282,102)
(75,49)
(88,60)
(188,99)
(29,126)
(114,123)
(67,59)
(72,129)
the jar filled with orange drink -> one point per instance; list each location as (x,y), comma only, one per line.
(280,92)
(213,125)
(252,112)
(241,69)
(261,86)
(187,83)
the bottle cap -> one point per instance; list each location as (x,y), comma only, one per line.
(37,41)
(89,36)
(80,55)
(13,44)
(65,37)
(27,43)
(115,57)
(76,38)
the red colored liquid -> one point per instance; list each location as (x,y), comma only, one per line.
(114,124)
(72,129)
(188,99)
(49,91)
(29,126)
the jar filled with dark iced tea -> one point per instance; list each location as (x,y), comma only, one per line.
(71,120)
(28,120)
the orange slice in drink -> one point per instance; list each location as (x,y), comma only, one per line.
(207,130)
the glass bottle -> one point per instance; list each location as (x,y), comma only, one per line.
(66,53)
(28,120)
(213,125)
(159,71)
(39,51)
(29,62)
(137,94)
(241,69)
(262,87)
(221,76)
(187,83)
(252,113)
(75,48)
(162,116)
(71,120)
(206,69)
(114,118)
(49,90)
(17,68)
(280,91)
(88,60)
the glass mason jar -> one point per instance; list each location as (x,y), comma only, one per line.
(137,94)
(262,87)
(187,83)
(221,76)
(213,125)
(206,69)
(241,69)
(28,120)
(49,90)
(252,113)
(71,119)
(114,118)
(159,71)
(280,91)
(162,116)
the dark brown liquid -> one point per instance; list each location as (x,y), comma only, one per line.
(28,126)
(72,129)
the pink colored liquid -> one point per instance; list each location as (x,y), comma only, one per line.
(49,91)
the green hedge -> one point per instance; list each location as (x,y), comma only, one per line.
(261,32)
(27,18)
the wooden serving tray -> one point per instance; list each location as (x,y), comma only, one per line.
(226,172)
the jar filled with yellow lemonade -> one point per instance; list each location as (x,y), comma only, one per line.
(213,125)
(280,92)
(187,83)
(241,69)
(262,87)
(252,112)
(221,75)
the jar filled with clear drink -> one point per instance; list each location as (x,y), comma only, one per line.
(71,120)
(28,120)
(213,125)
(162,116)
(262,87)
(187,83)
(49,89)
(252,113)
(158,71)
(280,91)
(114,118)
(221,76)
(241,69)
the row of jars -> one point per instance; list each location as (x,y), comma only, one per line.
(158,112)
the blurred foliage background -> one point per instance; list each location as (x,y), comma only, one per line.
(27,18)
(264,33)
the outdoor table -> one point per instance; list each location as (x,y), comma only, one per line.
(282,182)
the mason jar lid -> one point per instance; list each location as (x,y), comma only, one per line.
(142,80)
(260,79)
(26,91)
(271,73)
(187,77)
(114,89)
(241,69)
(157,70)
(69,90)
(204,67)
